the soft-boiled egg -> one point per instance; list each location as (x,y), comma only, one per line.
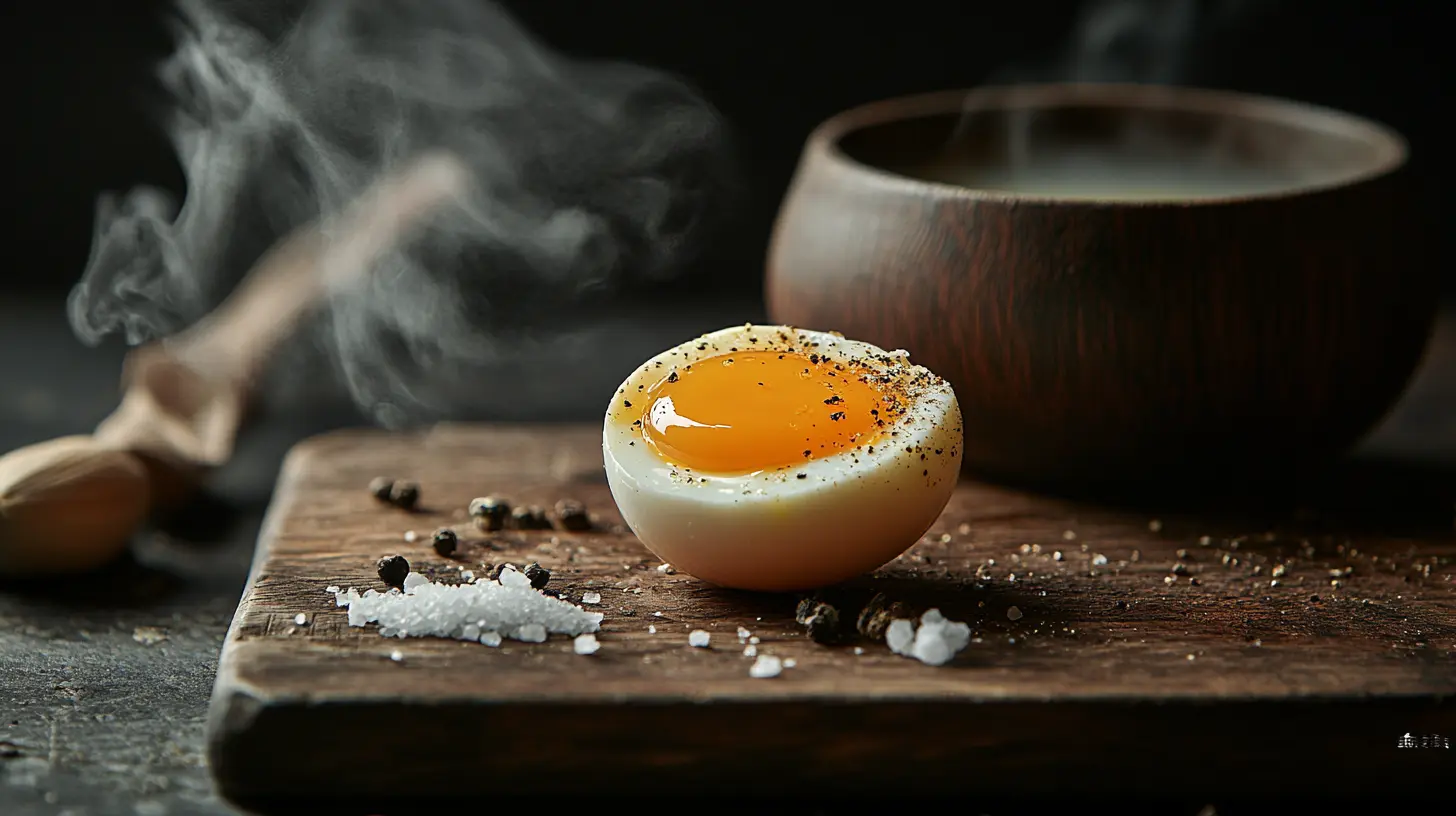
(777,459)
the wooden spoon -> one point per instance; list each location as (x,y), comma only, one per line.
(73,503)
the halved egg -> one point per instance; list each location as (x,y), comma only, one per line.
(778,459)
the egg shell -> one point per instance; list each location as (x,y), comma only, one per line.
(771,530)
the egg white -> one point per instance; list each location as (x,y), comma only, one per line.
(773,530)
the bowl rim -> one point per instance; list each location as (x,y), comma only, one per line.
(1392,149)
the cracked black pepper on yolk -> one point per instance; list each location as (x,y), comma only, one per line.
(757,410)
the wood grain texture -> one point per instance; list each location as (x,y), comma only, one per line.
(1093,343)
(1112,679)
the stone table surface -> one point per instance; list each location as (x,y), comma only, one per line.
(105,679)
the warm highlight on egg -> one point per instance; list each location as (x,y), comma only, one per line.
(773,458)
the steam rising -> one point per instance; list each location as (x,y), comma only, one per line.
(1141,41)
(1151,42)
(585,175)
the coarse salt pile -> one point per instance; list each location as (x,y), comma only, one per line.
(486,611)
(935,642)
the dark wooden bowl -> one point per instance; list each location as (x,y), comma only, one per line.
(1246,327)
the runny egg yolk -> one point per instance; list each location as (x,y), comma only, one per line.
(759,410)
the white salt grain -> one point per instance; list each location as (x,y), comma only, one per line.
(651,629)
(413,580)
(698,639)
(899,636)
(332,589)
(397,656)
(765,666)
(585,644)
(515,579)
(938,640)
(656,614)
(1099,560)
(531,633)
(789,662)
(470,632)
(754,640)
(750,650)
(300,619)
(743,633)
(667,568)
(591,597)
(490,638)
(410,536)
(859,650)
(467,576)
(1013,613)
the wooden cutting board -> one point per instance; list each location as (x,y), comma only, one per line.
(1257,669)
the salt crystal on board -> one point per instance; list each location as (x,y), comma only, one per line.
(698,639)
(765,666)
(900,636)
(490,638)
(938,640)
(514,578)
(750,650)
(531,633)
(934,642)
(586,644)
(591,597)
(397,656)
(300,619)
(743,633)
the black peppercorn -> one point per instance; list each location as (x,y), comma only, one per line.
(537,575)
(1180,569)
(872,607)
(804,610)
(879,621)
(445,541)
(381,487)
(572,516)
(530,518)
(824,624)
(393,569)
(490,513)
(404,495)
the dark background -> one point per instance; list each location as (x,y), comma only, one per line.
(773,69)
